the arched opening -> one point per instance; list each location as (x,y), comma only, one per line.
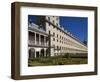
(31,53)
(42,53)
(47,52)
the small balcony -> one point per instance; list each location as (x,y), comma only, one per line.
(30,42)
(37,40)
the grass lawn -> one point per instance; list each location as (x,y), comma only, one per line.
(57,60)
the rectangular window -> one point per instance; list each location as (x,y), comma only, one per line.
(57,24)
(54,46)
(53,26)
(53,34)
(60,41)
(49,23)
(49,18)
(57,35)
(53,22)
(53,39)
(49,32)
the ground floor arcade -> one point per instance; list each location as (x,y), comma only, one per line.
(36,52)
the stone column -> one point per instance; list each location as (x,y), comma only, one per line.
(39,39)
(44,52)
(45,40)
(35,54)
(35,38)
(39,54)
(49,45)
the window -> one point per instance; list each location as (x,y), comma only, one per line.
(49,32)
(49,23)
(53,26)
(49,18)
(53,39)
(57,24)
(60,41)
(57,47)
(53,34)
(57,35)
(53,22)
(54,46)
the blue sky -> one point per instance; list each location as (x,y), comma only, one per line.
(76,25)
(31,18)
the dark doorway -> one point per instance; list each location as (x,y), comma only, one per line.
(37,54)
(42,52)
(31,53)
(47,52)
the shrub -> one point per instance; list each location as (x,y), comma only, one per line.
(66,55)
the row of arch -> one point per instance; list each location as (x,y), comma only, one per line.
(33,53)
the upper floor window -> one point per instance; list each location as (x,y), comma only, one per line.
(57,35)
(49,18)
(60,41)
(49,32)
(57,47)
(53,34)
(49,23)
(57,18)
(53,22)
(57,24)
(60,47)
(53,26)
(53,39)
(54,46)
(60,36)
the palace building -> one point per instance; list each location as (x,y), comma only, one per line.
(47,38)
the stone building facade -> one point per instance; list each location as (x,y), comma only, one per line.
(48,38)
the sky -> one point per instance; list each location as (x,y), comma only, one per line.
(31,18)
(77,26)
